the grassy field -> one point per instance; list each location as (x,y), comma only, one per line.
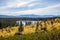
(45,30)
(53,35)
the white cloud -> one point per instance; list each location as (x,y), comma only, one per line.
(32,5)
(16,4)
(19,3)
(41,11)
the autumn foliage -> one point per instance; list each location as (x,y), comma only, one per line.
(40,26)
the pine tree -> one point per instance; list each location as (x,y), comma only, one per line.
(37,25)
(21,27)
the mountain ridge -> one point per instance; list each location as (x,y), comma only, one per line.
(29,16)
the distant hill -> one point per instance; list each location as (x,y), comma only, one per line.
(29,16)
(6,16)
(38,16)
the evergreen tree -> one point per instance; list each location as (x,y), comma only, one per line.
(37,25)
(21,27)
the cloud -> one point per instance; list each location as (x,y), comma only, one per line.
(17,3)
(45,10)
(41,11)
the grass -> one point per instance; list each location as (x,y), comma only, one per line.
(53,35)
(52,32)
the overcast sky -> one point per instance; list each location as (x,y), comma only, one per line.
(20,7)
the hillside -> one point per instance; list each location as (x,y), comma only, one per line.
(29,16)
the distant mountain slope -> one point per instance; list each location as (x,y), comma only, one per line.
(6,16)
(38,16)
(29,16)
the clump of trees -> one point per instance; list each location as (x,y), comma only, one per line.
(20,27)
(6,22)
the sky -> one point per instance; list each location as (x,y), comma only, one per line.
(21,7)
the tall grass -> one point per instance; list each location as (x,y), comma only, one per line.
(52,35)
(45,30)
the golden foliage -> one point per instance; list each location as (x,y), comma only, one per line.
(5,32)
(49,24)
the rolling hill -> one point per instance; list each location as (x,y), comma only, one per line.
(29,16)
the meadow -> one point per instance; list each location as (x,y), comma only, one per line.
(44,30)
(54,35)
